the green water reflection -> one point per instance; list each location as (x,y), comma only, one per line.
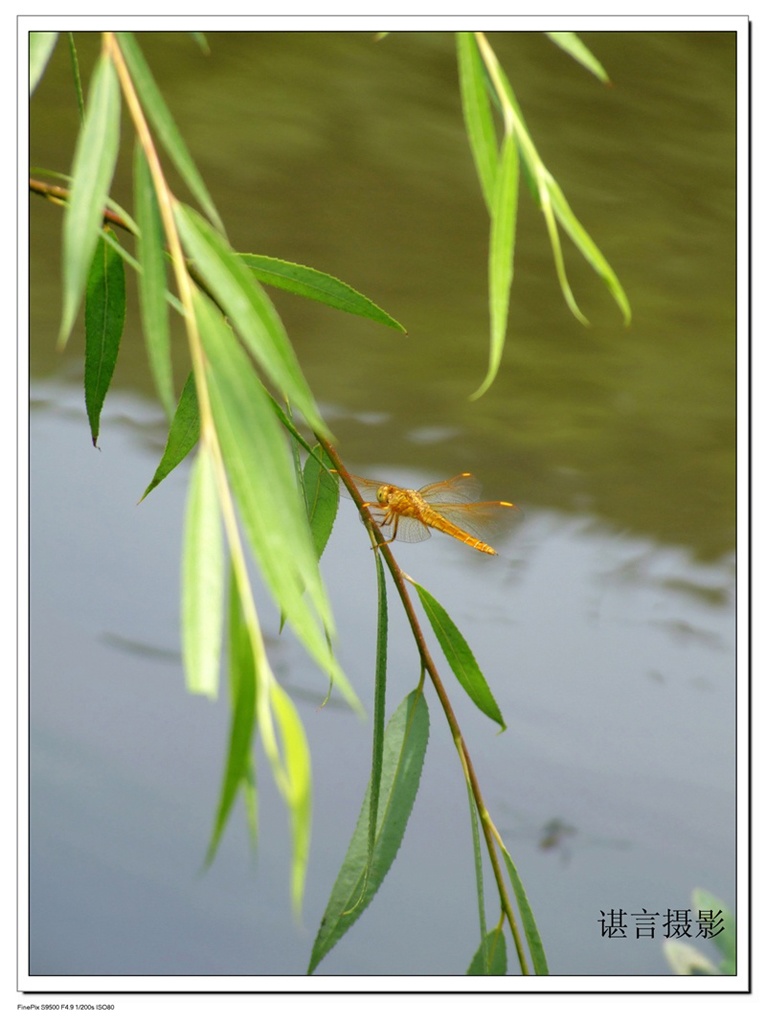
(349,154)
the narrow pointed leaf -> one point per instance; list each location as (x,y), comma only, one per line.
(404,750)
(477,114)
(94,160)
(202,581)
(152,282)
(459,656)
(104,322)
(316,285)
(501,250)
(41,46)
(549,196)
(571,43)
(528,922)
(201,40)
(587,247)
(248,307)
(240,767)
(297,787)
(491,959)
(509,107)
(162,121)
(183,434)
(477,858)
(558,255)
(262,478)
(379,717)
(75,62)
(687,961)
(726,940)
(320,490)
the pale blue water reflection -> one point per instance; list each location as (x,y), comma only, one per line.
(615,683)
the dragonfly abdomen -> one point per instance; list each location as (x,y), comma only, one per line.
(435,520)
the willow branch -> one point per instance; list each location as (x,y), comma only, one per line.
(59,195)
(400,582)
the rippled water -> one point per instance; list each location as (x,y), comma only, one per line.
(606,627)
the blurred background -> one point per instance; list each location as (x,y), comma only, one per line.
(606,626)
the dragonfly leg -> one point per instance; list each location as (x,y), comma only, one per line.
(382,543)
(389,518)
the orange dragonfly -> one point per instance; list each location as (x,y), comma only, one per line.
(449,506)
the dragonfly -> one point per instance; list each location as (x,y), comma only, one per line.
(449,507)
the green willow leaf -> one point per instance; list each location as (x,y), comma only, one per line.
(358,881)
(571,43)
(183,434)
(460,657)
(547,193)
(726,940)
(316,285)
(260,471)
(551,224)
(687,961)
(152,281)
(77,80)
(587,247)
(320,490)
(477,114)
(295,786)
(104,323)
(491,958)
(162,121)
(501,251)
(201,40)
(528,922)
(248,307)
(41,46)
(512,113)
(478,867)
(92,170)
(202,581)
(240,767)
(379,717)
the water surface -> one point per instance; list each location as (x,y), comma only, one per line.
(606,626)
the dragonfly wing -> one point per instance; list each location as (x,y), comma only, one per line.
(458,489)
(410,530)
(367,488)
(482,519)
(400,527)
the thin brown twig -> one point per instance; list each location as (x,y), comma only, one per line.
(401,585)
(60,195)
